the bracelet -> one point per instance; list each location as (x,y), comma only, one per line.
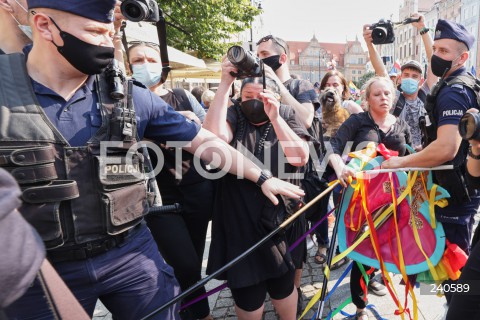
(471,155)
(424,30)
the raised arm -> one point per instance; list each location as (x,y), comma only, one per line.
(428,44)
(216,118)
(375,58)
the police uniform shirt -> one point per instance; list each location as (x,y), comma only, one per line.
(79,118)
(453,101)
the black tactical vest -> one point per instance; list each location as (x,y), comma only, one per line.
(71,195)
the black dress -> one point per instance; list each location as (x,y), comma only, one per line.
(243,215)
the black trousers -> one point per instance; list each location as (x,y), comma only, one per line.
(356,291)
(180,237)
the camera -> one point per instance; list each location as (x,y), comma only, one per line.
(469,126)
(140,10)
(248,65)
(382,32)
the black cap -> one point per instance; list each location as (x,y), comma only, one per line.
(451,30)
(99,10)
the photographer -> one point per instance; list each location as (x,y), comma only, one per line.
(243,216)
(16,32)
(410,99)
(88,205)
(449,100)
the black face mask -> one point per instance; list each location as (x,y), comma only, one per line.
(273,62)
(85,57)
(254,111)
(440,66)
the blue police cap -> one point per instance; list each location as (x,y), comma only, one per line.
(99,10)
(451,30)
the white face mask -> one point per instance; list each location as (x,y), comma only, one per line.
(147,73)
(27,30)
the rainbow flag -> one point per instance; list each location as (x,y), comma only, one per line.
(353,87)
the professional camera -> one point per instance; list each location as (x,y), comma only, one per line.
(382,32)
(469,126)
(140,10)
(248,65)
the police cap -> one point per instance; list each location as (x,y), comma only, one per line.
(99,10)
(451,30)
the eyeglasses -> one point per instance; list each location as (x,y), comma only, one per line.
(270,37)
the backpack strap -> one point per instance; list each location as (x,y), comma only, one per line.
(469,81)
(183,102)
(399,106)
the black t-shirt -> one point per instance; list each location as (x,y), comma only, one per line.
(361,129)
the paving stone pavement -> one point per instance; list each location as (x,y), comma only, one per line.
(430,307)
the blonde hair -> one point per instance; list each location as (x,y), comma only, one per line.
(207,96)
(368,88)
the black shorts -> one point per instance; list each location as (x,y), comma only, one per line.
(252,298)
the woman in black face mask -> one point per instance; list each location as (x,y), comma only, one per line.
(262,128)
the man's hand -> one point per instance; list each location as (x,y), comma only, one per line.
(421,23)
(392,163)
(269,73)
(270,104)
(367,33)
(274,186)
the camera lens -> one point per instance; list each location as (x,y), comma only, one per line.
(379,34)
(469,126)
(134,10)
(240,58)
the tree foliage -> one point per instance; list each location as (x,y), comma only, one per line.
(204,27)
(363,79)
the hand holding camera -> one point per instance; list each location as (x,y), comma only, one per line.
(247,64)
(140,10)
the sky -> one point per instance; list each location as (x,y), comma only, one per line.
(330,21)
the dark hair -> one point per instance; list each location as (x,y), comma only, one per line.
(279,44)
(270,84)
(197,93)
(332,73)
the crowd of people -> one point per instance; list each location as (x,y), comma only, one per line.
(85,204)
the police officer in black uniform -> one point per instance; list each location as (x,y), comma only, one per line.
(73,151)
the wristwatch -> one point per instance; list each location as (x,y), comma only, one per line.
(470,154)
(264,176)
(424,30)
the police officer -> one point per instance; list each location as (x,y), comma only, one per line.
(87,199)
(451,46)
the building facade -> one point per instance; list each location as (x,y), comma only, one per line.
(470,18)
(312,60)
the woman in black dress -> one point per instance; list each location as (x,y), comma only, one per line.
(265,131)
(379,126)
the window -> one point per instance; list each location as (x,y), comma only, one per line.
(409,49)
(416,50)
(354,71)
(360,60)
(354,78)
(359,71)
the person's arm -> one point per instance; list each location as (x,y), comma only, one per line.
(222,155)
(117,38)
(375,58)
(294,148)
(196,106)
(352,107)
(428,44)
(216,118)
(443,149)
(303,111)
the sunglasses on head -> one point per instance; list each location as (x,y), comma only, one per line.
(153,45)
(270,37)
